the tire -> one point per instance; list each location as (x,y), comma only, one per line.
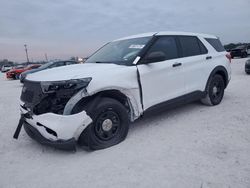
(109,127)
(17,76)
(214,91)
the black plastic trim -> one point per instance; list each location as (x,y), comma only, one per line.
(184,99)
(215,71)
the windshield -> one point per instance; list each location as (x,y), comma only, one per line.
(46,65)
(122,52)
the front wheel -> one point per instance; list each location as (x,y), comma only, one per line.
(109,127)
(215,91)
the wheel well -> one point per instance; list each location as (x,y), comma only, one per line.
(224,76)
(220,70)
(114,94)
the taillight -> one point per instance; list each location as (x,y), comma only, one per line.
(228,55)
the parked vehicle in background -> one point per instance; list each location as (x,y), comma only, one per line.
(93,103)
(16,71)
(6,68)
(240,51)
(46,66)
(247,66)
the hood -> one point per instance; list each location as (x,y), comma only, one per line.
(76,71)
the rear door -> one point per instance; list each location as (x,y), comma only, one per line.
(161,80)
(194,59)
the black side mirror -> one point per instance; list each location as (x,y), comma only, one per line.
(155,57)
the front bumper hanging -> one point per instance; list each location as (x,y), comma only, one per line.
(59,131)
(59,144)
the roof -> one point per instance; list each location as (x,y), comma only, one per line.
(167,33)
(137,36)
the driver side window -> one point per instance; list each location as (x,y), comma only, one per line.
(164,48)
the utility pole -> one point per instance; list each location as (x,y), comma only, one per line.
(46,57)
(25,47)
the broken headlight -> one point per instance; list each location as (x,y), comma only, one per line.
(56,94)
(73,84)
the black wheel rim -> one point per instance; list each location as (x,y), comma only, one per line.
(107,125)
(216,91)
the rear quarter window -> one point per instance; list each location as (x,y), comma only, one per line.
(216,44)
(191,46)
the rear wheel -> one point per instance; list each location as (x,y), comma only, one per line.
(109,127)
(215,91)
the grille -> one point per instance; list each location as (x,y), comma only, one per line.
(27,96)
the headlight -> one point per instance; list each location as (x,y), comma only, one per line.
(248,62)
(74,84)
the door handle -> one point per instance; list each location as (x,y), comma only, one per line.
(177,64)
(208,57)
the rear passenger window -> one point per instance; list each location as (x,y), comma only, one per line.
(216,44)
(165,46)
(191,46)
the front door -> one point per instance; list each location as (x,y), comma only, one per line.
(161,73)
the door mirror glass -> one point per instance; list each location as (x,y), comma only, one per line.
(164,48)
(155,56)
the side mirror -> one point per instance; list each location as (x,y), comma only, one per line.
(155,57)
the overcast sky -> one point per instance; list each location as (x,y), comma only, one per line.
(65,28)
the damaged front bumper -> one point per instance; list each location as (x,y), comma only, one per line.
(60,131)
(60,144)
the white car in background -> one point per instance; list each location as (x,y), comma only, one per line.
(6,68)
(93,103)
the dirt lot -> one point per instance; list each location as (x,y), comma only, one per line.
(190,146)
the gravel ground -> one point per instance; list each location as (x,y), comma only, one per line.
(189,146)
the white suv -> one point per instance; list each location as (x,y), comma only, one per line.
(93,103)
